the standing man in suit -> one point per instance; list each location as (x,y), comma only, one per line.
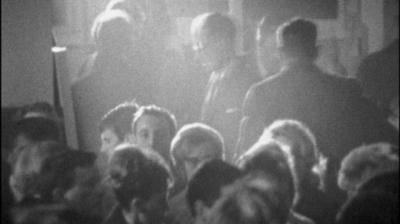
(214,37)
(331,106)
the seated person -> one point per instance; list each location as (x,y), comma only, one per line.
(193,145)
(28,131)
(365,162)
(269,158)
(309,166)
(206,185)
(115,127)
(253,199)
(153,128)
(140,180)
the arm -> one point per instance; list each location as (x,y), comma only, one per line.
(252,124)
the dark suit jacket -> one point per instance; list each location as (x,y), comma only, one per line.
(224,97)
(109,82)
(331,106)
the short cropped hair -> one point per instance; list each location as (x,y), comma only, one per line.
(380,157)
(148,173)
(208,181)
(196,134)
(252,199)
(216,25)
(158,112)
(37,129)
(119,119)
(112,27)
(269,158)
(299,36)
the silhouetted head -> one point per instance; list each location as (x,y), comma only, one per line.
(297,39)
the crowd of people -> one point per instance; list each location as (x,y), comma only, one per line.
(275,141)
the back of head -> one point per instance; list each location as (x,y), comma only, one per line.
(297,38)
(37,129)
(158,112)
(119,119)
(196,134)
(29,165)
(365,162)
(208,181)
(369,207)
(252,200)
(59,172)
(269,158)
(133,8)
(113,30)
(146,174)
(215,26)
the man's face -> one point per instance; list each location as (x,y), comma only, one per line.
(206,50)
(153,133)
(197,155)
(109,140)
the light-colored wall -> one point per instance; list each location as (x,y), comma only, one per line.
(26,64)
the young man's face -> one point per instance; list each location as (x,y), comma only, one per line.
(154,133)
(109,140)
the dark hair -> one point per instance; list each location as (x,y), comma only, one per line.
(252,199)
(387,182)
(196,134)
(216,25)
(58,171)
(269,158)
(379,156)
(37,129)
(369,207)
(43,109)
(158,112)
(147,173)
(208,181)
(298,37)
(119,119)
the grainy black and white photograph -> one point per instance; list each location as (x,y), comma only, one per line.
(199,111)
